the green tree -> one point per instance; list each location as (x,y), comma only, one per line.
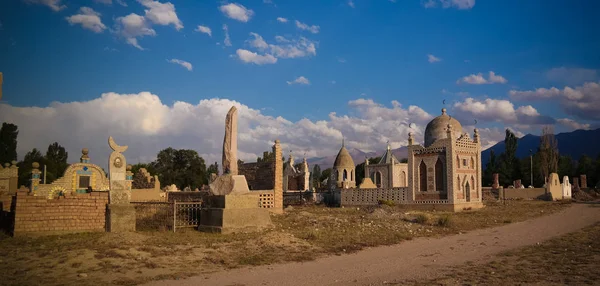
(56,162)
(585,166)
(8,142)
(510,166)
(135,168)
(316,175)
(325,174)
(184,168)
(566,166)
(548,152)
(538,176)
(213,169)
(491,168)
(25,166)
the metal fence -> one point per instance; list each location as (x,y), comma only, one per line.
(166,216)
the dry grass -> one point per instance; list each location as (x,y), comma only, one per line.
(572,259)
(301,234)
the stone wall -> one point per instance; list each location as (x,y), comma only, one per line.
(9,179)
(362,197)
(259,175)
(527,193)
(71,213)
(148,195)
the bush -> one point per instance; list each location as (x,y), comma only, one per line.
(422,218)
(387,203)
(444,221)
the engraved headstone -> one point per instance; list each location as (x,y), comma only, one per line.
(121,214)
(496,183)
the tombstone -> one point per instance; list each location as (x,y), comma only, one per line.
(517,184)
(120,213)
(566,188)
(231,206)
(583,181)
(553,187)
(496,184)
(575,186)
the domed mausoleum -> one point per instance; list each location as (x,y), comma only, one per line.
(343,169)
(447,170)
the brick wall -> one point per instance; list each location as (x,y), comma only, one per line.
(71,213)
(259,175)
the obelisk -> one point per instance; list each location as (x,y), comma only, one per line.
(230,164)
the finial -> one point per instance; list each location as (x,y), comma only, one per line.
(388,145)
(6,165)
(343,139)
(129,167)
(277,141)
(443,111)
(13,162)
(35,165)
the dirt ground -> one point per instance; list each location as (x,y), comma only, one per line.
(463,259)
(302,234)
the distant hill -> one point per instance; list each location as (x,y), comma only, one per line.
(357,155)
(574,144)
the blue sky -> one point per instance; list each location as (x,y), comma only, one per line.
(363,49)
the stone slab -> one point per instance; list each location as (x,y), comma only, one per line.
(220,220)
(229,184)
(242,201)
(120,218)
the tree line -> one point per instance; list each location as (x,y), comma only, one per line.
(546,160)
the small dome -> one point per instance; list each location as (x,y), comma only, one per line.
(343,159)
(436,129)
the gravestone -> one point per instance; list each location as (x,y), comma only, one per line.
(553,187)
(583,181)
(575,187)
(566,188)
(517,184)
(496,184)
(120,213)
(231,206)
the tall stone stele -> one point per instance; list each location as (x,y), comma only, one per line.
(120,213)
(231,206)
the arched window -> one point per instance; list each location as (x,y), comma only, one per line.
(352,175)
(472,163)
(403,179)
(422,177)
(378,179)
(345,175)
(457,162)
(439,176)
(458,182)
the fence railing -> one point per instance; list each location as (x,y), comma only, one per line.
(166,216)
(186,214)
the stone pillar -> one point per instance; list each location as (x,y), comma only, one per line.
(230,165)
(583,181)
(496,184)
(35,178)
(120,213)
(278,174)
(575,185)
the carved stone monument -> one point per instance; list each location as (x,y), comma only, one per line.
(517,184)
(231,205)
(575,186)
(583,181)
(553,187)
(120,213)
(566,188)
(496,184)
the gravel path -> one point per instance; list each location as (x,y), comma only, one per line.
(415,259)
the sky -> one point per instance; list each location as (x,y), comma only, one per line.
(158,74)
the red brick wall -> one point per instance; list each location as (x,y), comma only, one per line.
(71,213)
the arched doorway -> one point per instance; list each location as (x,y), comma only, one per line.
(422,177)
(378,179)
(468,191)
(439,176)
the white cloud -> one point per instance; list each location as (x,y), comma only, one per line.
(581,101)
(498,110)
(480,79)
(313,29)
(105,2)
(204,29)
(252,57)
(282,20)
(284,49)
(237,12)
(227,40)
(574,125)
(540,93)
(133,26)
(184,64)
(55,5)
(299,80)
(88,19)
(147,125)
(162,13)
(258,42)
(433,59)
(458,4)
(121,2)
(341,60)
(351,3)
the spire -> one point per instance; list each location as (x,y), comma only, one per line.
(443,111)
(388,145)
(343,145)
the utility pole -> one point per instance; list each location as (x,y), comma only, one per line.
(44,174)
(531,165)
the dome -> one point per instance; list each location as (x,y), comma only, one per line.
(343,159)
(436,129)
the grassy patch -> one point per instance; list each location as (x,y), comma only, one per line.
(301,234)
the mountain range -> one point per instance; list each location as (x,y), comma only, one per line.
(574,144)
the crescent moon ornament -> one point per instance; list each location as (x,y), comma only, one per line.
(475,121)
(444,102)
(115,147)
(411,125)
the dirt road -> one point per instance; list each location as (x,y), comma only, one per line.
(419,258)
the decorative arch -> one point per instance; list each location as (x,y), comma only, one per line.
(351,175)
(56,191)
(378,179)
(439,176)
(472,163)
(345,175)
(422,177)
(403,178)
(457,162)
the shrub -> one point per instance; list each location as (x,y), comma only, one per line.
(422,218)
(387,203)
(444,221)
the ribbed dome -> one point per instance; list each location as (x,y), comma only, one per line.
(343,159)
(436,129)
